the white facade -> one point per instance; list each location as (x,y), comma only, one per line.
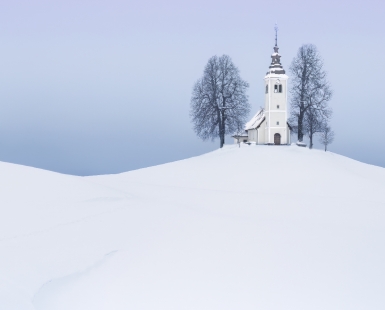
(276,109)
(269,125)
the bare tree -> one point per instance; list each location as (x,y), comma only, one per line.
(313,123)
(309,88)
(327,136)
(219,102)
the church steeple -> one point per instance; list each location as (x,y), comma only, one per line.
(276,66)
(269,125)
(276,34)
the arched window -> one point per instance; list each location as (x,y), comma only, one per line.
(278,88)
(267,88)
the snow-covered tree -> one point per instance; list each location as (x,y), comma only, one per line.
(310,88)
(219,103)
(327,136)
(313,123)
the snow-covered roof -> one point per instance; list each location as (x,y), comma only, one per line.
(256,120)
(243,134)
(271,74)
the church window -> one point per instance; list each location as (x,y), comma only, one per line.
(277,106)
(278,88)
(267,88)
(277,123)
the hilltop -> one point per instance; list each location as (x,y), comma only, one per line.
(256,227)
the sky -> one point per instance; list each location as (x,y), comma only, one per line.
(98,87)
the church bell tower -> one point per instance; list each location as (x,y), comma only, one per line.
(276,108)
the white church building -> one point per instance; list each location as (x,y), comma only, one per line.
(269,125)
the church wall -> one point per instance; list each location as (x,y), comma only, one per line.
(276,98)
(252,135)
(261,133)
(276,108)
(275,117)
(274,128)
(281,131)
(272,131)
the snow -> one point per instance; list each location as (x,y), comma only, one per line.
(256,227)
(302,144)
(256,120)
(270,75)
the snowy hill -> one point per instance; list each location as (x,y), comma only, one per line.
(239,228)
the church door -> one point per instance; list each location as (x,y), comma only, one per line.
(277,139)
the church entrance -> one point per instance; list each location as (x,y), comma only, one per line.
(277,139)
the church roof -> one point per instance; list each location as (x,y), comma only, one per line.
(256,120)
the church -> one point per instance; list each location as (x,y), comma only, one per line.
(269,125)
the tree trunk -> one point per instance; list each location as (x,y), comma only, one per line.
(222,128)
(222,140)
(222,133)
(311,141)
(300,126)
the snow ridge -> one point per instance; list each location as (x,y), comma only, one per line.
(239,228)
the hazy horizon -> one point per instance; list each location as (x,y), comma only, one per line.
(104,87)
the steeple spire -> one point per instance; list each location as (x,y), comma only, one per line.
(276,66)
(276,34)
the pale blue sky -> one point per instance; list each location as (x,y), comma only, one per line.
(91,87)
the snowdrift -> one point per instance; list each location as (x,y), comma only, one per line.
(256,227)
